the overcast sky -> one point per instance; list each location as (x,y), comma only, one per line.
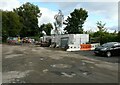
(98,10)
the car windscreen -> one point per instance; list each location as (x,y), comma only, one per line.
(9,38)
(14,38)
(108,45)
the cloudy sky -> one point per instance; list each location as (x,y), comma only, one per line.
(98,10)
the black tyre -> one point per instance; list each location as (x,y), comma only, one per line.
(96,54)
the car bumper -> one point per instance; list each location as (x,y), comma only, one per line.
(100,52)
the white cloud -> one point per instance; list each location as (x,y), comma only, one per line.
(9,5)
(106,12)
(73,0)
(47,16)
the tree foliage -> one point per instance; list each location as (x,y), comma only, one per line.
(1,23)
(118,37)
(46,28)
(101,31)
(101,26)
(29,14)
(11,25)
(23,21)
(102,35)
(75,21)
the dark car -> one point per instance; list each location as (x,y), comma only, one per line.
(108,49)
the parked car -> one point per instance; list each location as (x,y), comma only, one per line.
(28,40)
(13,40)
(108,49)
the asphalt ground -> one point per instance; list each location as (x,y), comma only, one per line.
(90,54)
(34,64)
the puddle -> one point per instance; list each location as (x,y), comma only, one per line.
(61,66)
(13,55)
(14,76)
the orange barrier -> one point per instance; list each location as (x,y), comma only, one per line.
(85,46)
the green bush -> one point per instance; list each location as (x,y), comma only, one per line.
(104,37)
(37,38)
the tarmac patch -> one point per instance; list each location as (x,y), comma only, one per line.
(61,66)
(70,75)
(11,76)
(13,55)
(64,74)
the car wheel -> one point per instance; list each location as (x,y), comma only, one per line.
(108,54)
(96,54)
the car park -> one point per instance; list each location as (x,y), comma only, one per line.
(108,49)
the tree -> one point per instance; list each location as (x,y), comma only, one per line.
(101,26)
(75,21)
(118,36)
(11,24)
(29,14)
(101,33)
(47,28)
(0,21)
(41,29)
